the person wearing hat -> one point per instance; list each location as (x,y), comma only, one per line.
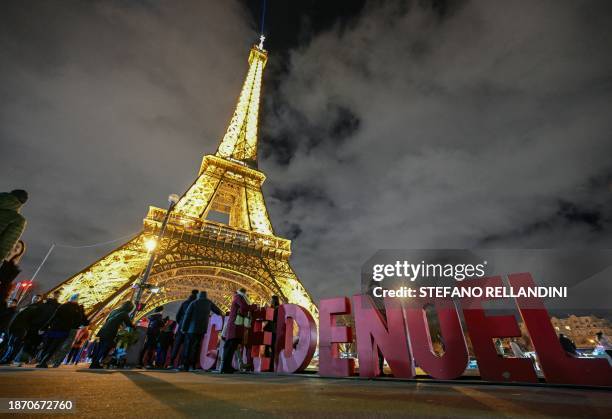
(68,316)
(12,223)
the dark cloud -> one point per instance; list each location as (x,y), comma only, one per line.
(107,107)
(402,124)
(481,123)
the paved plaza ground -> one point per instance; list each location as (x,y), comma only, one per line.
(153,394)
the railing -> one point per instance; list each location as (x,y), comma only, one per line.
(216,231)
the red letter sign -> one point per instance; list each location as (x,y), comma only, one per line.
(453,362)
(288,359)
(374,334)
(208,351)
(329,337)
(558,366)
(483,329)
(259,339)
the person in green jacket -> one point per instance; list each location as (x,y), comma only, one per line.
(108,332)
(12,223)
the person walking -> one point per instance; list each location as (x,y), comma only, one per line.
(68,316)
(235,329)
(79,340)
(17,330)
(12,223)
(194,325)
(179,337)
(156,322)
(41,317)
(109,330)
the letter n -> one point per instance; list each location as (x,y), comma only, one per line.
(374,334)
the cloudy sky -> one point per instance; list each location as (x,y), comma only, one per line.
(395,124)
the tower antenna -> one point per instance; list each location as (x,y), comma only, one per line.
(262,37)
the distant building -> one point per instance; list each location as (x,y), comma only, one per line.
(582,329)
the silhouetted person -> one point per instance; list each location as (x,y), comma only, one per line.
(12,223)
(156,322)
(194,326)
(68,316)
(179,337)
(109,330)
(567,345)
(9,270)
(40,318)
(381,364)
(18,329)
(164,342)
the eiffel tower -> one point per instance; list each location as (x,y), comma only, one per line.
(196,251)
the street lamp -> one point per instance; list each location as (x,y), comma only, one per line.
(151,246)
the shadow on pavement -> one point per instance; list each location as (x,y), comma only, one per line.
(185,401)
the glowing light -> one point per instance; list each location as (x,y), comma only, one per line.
(173,198)
(240,140)
(150,244)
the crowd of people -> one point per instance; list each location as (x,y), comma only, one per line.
(176,343)
(47,332)
(39,333)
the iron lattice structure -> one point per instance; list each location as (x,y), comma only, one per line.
(196,252)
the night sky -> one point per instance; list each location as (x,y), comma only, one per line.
(395,124)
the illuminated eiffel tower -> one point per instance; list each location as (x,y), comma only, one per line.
(195,251)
